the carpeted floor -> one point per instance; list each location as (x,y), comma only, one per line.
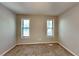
(38,50)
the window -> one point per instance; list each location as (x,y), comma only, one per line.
(50,27)
(25,27)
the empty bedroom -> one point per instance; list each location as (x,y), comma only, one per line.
(39,28)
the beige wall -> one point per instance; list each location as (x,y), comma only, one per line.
(7,29)
(37,29)
(69,29)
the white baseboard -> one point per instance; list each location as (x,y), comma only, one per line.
(67,49)
(7,50)
(35,43)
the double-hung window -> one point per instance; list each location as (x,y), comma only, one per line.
(50,29)
(25,27)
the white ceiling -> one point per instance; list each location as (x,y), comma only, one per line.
(47,8)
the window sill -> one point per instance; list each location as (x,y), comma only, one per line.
(25,37)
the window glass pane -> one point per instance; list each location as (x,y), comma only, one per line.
(26,23)
(25,32)
(49,32)
(49,23)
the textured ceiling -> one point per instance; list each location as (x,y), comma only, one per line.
(47,8)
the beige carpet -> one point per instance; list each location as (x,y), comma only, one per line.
(38,50)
